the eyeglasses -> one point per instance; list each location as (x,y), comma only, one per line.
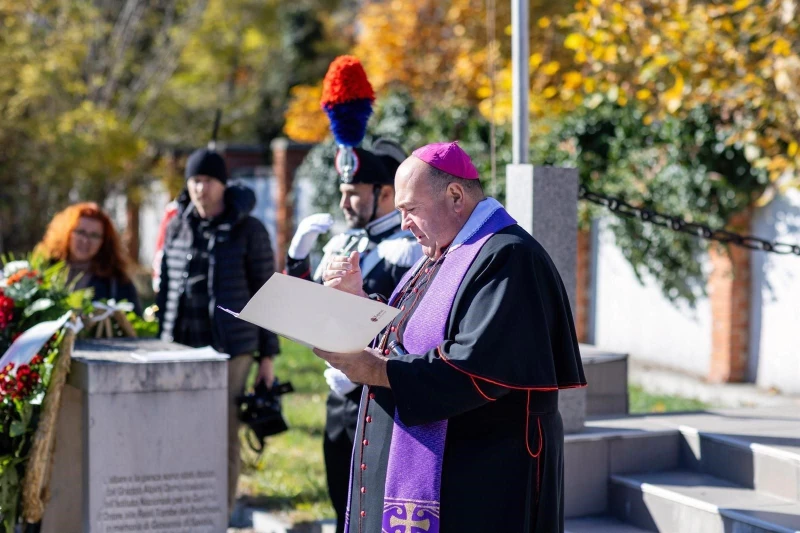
(87,235)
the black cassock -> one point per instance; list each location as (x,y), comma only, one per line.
(509,346)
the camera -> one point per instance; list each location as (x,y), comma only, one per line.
(261,411)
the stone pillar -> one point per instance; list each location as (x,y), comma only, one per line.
(141,441)
(729,293)
(544,201)
(286,157)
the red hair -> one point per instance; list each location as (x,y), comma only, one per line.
(110,261)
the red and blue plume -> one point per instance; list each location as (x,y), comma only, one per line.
(347,98)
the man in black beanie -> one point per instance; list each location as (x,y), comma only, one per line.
(215,253)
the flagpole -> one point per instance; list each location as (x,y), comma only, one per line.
(520,81)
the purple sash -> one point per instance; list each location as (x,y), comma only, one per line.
(413,479)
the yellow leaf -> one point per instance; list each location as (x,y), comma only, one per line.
(574,41)
(674,96)
(544,22)
(643,94)
(483,92)
(535,61)
(610,55)
(792,150)
(661,60)
(740,5)
(551,68)
(647,120)
(549,92)
(782,47)
(623,99)
(572,79)
(253,40)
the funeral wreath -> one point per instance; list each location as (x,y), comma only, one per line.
(40,314)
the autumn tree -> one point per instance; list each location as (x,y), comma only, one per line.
(438,52)
(741,59)
(95,93)
(681,107)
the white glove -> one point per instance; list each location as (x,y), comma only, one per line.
(307,232)
(338,382)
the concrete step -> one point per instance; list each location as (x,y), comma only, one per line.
(610,447)
(768,463)
(692,502)
(599,524)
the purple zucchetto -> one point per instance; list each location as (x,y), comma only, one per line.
(448,157)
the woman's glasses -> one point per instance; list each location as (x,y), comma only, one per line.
(89,236)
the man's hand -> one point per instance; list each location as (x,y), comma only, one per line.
(266,372)
(344,273)
(367,367)
(307,232)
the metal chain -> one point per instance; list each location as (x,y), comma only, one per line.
(675,223)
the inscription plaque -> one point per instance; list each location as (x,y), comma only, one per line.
(182,502)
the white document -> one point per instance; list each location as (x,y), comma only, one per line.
(315,315)
(191,354)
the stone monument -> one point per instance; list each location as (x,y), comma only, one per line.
(141,441)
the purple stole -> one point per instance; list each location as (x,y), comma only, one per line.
(413,479)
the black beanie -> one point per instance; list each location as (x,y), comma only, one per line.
(205,162)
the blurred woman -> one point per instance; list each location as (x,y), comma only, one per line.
(83,236)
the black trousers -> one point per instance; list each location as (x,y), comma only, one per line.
(338,453)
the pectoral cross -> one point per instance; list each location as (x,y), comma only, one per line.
(410,522)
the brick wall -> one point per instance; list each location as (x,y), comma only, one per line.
(729,293)
(583,288)
(286,157)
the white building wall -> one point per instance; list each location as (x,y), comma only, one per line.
(637,319)
(775,317)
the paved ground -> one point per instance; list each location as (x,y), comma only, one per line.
(657,380)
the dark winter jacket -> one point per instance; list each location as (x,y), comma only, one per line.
(240,261)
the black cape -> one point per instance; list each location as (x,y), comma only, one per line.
(509,346)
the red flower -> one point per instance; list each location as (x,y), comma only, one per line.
(6,310)
(23,390)
(36,360)
(8,368)
(24,373)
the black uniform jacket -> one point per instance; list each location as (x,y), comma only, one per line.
(387,252)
